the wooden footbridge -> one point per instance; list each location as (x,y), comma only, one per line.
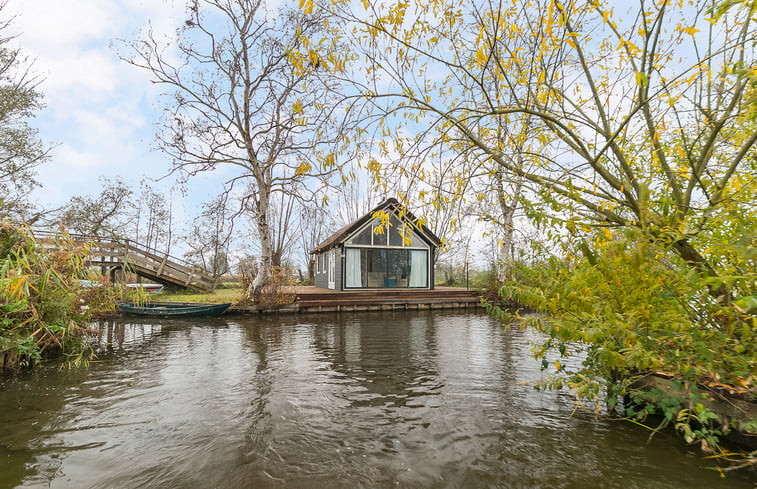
(127,256)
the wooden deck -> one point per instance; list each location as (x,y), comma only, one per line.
(311,299)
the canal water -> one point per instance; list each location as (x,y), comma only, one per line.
(371,400)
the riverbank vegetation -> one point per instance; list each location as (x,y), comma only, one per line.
(632,309)
(44,309)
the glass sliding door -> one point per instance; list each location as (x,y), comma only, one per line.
(353,267)
(399,268)
(418,268)
(379,268)
(376,261)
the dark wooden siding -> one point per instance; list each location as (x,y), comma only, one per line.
(339,267)
(322,272)
(321,277)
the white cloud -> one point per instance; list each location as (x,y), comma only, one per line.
(99,110)
(69,24)
(77,160)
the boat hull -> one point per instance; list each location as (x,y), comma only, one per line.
(150,288)
(174,310)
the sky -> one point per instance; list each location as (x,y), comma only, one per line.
(100,112)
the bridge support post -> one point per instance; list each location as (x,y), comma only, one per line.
(162,265)
(189,278)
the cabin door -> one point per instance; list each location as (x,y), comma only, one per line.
(332,269)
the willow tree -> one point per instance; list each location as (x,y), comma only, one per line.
(641,119)
(435,86)
(633,132)
(250,97)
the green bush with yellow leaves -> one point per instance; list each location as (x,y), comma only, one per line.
(45,309)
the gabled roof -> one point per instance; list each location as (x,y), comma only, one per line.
(345,232)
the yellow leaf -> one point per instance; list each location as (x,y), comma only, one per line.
(303,168)
(641,79)
(480,56)
(297,107)
(557,365)
(330,160)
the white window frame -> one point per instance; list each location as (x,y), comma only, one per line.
(373,224)
(331,272)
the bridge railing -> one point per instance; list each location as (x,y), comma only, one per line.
(105,245)
(144,260)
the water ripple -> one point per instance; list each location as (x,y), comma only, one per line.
(385,400)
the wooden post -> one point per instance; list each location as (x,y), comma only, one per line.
(162,265)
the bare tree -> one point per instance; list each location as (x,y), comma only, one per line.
(153,218)
(108,214)
(357,196)
(249,92)
(281,221)
(209,238)
(314,227)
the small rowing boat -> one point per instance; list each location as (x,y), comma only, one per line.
(173,310)
(151,288)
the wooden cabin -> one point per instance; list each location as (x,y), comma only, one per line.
(366,254)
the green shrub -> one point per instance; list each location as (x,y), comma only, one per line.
(45,309)
(629,307)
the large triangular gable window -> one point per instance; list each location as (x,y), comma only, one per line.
(395,235)
(390,256)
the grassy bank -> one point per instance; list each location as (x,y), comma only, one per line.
(232,293)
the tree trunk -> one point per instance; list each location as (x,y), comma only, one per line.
(264,267)
(506,223)
(694,259)
(504,257)
(276,257)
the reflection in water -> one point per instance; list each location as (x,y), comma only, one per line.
(369,400)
